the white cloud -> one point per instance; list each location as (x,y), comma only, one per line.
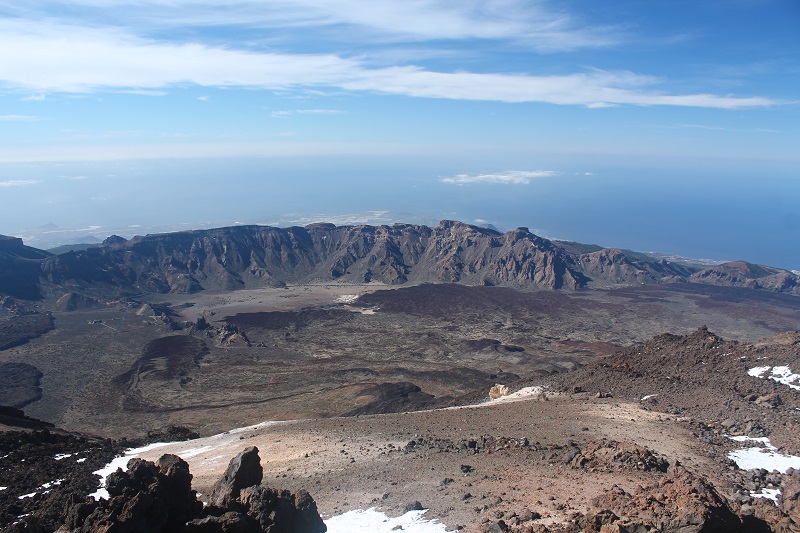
(61,58)
(511,177)
(18,183)
(529,23)
(204,98)
(319,111)
(18,118)
(142,92)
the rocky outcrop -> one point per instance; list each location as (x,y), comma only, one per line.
(244,470)
(146,497)
(789,502)
(743,274)
(159,498)
(498,391)
(680,502)
(610,455)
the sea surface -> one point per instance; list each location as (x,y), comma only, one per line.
(724,210)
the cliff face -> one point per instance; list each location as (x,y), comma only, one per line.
(19,273)
(451,252)
(245,256)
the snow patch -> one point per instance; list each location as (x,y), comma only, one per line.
(767,457)
(120,462)
(3,488)
(647,397)
(43,487)
(194,452)
(758,371)
(60,456)
(347,298)
(781,374)
(745,438)
(772,494)
(372,521)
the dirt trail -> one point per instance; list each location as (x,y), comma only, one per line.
(362,462)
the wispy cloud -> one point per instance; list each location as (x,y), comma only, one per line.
(529,23)
(511,177)
(143,92)
(18,118)
(61,58)
(319,111)
(18,183)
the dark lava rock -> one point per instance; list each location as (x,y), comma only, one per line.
(394,398)
(244,470)
(52,470)
(147,497)
(680,502)
(158,498)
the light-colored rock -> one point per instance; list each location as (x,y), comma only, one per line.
(498,391)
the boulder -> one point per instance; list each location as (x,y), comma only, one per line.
(498,391)
(244,470)
(681,502)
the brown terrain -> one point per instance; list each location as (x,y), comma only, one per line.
(371,352)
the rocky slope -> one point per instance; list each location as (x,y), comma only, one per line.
(19,269)
(256,256)
(707,378)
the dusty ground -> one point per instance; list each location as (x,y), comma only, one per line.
(314,352)
(362,462)
(289,298)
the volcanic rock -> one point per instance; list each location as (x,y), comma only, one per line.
(244,470)
(681,502)
(159,498)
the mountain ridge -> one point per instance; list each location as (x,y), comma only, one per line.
(240,257)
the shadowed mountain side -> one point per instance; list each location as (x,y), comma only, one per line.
(451,252)
(19,272)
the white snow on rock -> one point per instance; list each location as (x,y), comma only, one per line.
(781,374)
(767,457)
(120,462)
(744,438)
(372,521)
(60,456)
(758,371)
(647,397)
(43,487)
(771,494)
(347,298)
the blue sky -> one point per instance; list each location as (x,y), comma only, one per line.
(575,118)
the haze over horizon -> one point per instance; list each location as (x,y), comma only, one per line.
(666,126)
